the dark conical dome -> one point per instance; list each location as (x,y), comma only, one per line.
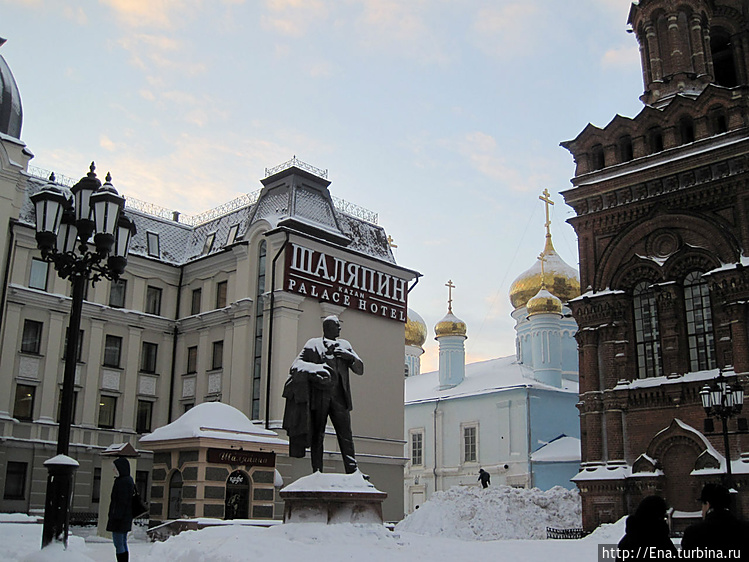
(11,114)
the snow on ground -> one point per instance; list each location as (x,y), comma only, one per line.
(495,513)
(497,510)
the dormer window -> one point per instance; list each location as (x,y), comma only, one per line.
(152,241)
(232,236)
(210,239)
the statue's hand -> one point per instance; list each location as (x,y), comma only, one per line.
(322,378)
(344,354)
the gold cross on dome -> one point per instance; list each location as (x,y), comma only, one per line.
(547,201)
(450,288)
(391,242)
(542,259)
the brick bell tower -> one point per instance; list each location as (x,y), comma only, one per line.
(662,218)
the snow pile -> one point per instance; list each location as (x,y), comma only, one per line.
(495,513)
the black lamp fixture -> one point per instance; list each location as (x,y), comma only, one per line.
(64,227)
(723,400)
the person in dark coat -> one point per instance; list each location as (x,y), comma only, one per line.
(318,388)
(484,478)
(719,529)
(120,519)
(647,533)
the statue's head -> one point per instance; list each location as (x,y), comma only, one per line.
(331,327)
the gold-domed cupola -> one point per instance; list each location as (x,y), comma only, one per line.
(450,325)
(549,272)
(416,329)
(544,303)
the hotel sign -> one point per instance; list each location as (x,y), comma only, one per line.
(245,458)
(346,283)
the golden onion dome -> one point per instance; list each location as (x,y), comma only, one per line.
(450,325)
(416,329)
(544,303)
(560,279)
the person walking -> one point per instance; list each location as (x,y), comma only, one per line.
(719,530)
(120,519)
(647,533)
(484,478)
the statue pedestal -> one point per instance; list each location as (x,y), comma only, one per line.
(332,498)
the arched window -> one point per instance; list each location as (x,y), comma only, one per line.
(258,349)
(625,148)
(655,140)
(647,335)
(175,496)
(598,160)
(686,130)
(699,323)
(718,121)
(723,63)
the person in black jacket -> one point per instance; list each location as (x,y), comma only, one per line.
(484,478)
(120,519)
(719,530)
(647,533)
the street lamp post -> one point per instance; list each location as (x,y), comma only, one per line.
(64,226)
(723,400)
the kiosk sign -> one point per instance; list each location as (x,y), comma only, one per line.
(346,283)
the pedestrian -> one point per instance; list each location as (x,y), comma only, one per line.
(647,533)
(120,519)
(484,478)
(719,530)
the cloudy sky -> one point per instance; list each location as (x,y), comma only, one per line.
(442,116)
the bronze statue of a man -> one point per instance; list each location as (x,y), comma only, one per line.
(317,389)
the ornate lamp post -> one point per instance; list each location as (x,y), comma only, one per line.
(64,227)
(723,400)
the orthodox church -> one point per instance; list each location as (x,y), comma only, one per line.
(513,416)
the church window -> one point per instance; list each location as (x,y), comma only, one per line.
(626,153)
(686,130)
(699,323)
(470,443)
(417,448)
(258,352)
(647,334)
(718,120)
(598,160)
(655,140)
(723,61)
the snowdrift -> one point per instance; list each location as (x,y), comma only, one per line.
(494,513)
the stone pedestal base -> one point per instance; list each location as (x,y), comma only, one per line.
(332,498)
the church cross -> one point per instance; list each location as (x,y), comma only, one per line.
(542,259)
(391,242)
(547,201)
(450,288)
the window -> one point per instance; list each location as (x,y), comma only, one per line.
(686,130)
(626,152)
(647,334)
(197,296)
(192,359)
(174,511)
(59,406)
(107,408)
(259,317)
(15,480)
(23,406)
(148,357)
(699,323)
(598,160)
(152,241)
(141,483)
(187,406)
(209,240)
(232,236)
(96,486)
(38,274)
(218,355)
(143,419)
(221,294)
(153,300)
(79,351)
(470,444)
(112,351)
(655,140)
(723,62)
(31,341)
(117,291)
(417,448)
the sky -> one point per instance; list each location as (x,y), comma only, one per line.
(444,117)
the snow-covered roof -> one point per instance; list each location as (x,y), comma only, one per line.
(214,420)
(606,472)
(562,449)
(651,382)
(484,377)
